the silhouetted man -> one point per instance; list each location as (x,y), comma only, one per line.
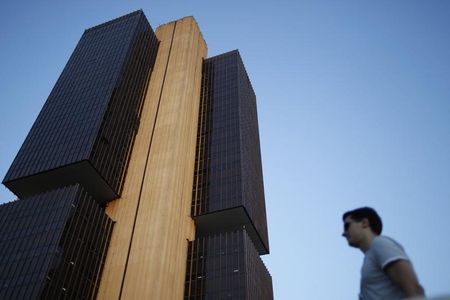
(387,272)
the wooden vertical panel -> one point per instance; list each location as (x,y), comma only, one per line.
(147,255)
(157,262)
(123,211)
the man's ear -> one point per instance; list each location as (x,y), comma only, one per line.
(365,223)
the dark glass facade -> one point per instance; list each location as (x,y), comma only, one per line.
(226,266)
(85,131)
(228,194)
(228,184)
(54,239)
(53,245)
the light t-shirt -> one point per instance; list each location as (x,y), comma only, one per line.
(375,284)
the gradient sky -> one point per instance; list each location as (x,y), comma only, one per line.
(354,110)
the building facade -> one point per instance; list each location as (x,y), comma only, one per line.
(141,177)
(53,245)
(85,131)
(228,197)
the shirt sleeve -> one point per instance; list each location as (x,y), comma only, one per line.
(387,251)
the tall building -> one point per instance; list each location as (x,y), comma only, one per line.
(228,197)
(141,177)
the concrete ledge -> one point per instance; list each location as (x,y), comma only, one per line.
(228,220)
(81,172)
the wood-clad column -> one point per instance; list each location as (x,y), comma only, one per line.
(147,254)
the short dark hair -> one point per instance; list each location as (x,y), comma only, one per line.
(368,213)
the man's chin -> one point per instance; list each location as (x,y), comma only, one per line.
(352,244)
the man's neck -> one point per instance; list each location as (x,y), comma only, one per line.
(365,244)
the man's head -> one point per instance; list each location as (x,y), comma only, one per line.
(360,225)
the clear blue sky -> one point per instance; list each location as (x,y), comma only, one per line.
(354,110)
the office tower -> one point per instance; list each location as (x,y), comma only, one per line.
(228,196)
(53,245)
(72,162)
(141,172)
(85,130)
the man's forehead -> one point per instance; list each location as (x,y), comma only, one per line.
(348,219)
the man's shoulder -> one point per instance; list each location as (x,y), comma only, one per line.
(387,250)
(385,241)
